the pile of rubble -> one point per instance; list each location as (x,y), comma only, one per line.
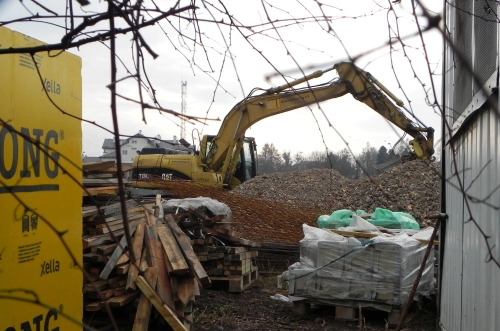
(172,253)
(272,208)
(412,187)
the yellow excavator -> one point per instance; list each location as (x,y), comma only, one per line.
(229,158)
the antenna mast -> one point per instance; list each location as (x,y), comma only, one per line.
(183,108)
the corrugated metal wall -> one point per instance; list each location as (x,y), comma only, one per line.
(470,286)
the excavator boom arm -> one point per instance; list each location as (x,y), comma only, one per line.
(360,84)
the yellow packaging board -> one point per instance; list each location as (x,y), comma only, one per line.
(40,193)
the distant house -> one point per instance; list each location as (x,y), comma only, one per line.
(130,147)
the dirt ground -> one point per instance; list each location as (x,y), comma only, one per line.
(255,310)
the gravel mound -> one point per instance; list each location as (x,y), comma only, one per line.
(412,187)
(272,208)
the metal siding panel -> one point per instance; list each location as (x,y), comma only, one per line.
(470,288)
(470,233)
(478,157)
(451,296)
(483,278)
(449,72)
(462,38)
(485,30)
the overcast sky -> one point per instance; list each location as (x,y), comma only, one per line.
(358,28)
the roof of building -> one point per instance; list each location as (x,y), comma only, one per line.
(109,143)
(174,145)
(89,159)
(110,155)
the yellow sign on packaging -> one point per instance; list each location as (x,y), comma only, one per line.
(40,193)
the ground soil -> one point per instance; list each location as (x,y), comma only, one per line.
(253,309)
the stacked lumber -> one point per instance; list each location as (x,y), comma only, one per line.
(168,257)
(158,269)
(227,258)
(100,179)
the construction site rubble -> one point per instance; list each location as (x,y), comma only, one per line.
(271,208)
(174,249)
(412,187)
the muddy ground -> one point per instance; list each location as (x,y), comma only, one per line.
(254,310)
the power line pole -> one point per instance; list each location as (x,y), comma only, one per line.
(183,108)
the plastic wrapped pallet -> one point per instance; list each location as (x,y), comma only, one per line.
(381,270)
(388,267)
(302,280)
(309,244)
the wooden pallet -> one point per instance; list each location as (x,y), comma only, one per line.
(236,283)
(348,313)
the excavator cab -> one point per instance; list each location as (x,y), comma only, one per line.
(245,167)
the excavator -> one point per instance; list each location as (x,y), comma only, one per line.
(229,158)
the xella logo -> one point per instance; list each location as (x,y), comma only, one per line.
(51,86)
(49,267)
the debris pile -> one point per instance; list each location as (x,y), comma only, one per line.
(412,187)
(272,208)
(161,266)
(100,179)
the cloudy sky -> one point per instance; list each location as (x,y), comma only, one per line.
(233,61)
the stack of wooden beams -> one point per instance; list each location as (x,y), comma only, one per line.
(227,258)
(100,179)
(160,267)
(165,263)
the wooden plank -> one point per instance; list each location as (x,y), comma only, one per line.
(136,248)
(158,205)
(116,254)
(144,261)
(120,291)
(197,292)
(122,269)
(107,210)
(105,249)
(88,211)
(186,247)
(372,235)
(122,300)
(172,250)
(94,191)
(141,321)
(163,309)
(185,290)
(92,182)
(120,283)
(115,220)
(99,176)
(97,166)
(156,259)
(93,257)
(150,217)
(220,234)
(118,226)
(115,279)
(96,286)
(94,306)
(91,241)
(124,258)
